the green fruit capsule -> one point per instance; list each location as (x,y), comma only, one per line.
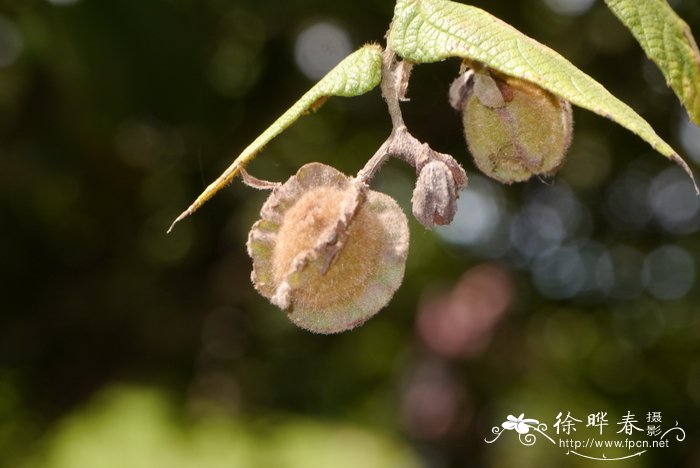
(514,129)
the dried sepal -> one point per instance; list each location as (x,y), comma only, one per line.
(257,184)
(328,250)
(488,92)
(514,128)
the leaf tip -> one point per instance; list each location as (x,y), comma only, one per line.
(678,160)
(182,216)
(373,45)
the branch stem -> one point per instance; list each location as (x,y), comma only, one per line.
(401,144)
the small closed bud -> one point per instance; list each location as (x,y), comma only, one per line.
(328,250)
(514,128)
(435,196)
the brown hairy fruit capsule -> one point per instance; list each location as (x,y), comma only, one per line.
(515,129)
(328,250)
(435,196)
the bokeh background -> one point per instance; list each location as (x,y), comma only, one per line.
(123,346)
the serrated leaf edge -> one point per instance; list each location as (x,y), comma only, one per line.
(357,74)
(405,41)
(676,34)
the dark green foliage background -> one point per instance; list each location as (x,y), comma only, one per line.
(111,123)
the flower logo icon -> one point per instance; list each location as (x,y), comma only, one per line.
(520,424)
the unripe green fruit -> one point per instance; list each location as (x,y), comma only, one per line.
(328,250)
(515,129)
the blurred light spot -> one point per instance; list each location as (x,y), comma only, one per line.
(144,144)
(690,138)
(626,200)
(678,316)
(461,322)
(313,444)
(569,7)
(320,47)
(592,254)
(621,271)
(138,428)
(674,202)
(234,68)
(213,392)
(570,270)
(616,367)
(639,324)
(669,272)
(588,163)
(693,383)
(551,215)
(605,34)
(525,236)
(431,401)
(567,335)
(161,249)
(604,274)
(221,334)
(480,216)
(246,25)
(161,187)
(10,42)
(567,206)
(559,273)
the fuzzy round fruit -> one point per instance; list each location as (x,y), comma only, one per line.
(328,250)
(515,129)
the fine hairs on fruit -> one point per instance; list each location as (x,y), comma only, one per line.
(514,129)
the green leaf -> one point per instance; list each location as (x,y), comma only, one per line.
(426,31)
(668,41)
(357,74)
